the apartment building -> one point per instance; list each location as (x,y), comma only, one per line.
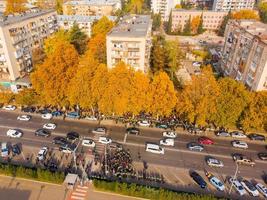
(226,5)
(130,42)
(163,7)
(91,7)
(2,6)
(66,22)
(244,53)
(19,35)
(211,20)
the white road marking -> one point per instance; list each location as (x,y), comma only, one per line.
(78,198)
(78,194)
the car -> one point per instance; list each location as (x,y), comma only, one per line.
(193,146)
(47,116)
(241,159)
(44,111)
(161,125)
(154,148)
(91,118)
(222,133)
(88,142)
(254,136)
(215,181)
(237,186)
(205,140)
(167,142)
(100,130)
(73,115)
(198,179)
(68,148)
(10,107)
(16,150)
(262,155)
(250,188)
(73,136)
(239,144)
(24,117)
(28,109)
(262,189)
(60,140)
(213,162)
(4,150)
(42,153)
(169,134)
(144,123)
(133,130)
(115,145)
(42,132)
(14,133)
(236,134)
(104,140)
(52,167)
(196,64)
(57,113)
(49,126)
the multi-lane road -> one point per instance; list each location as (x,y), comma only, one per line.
(177,156)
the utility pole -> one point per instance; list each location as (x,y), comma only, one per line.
(106,170)
(234,178)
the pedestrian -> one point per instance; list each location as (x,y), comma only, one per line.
(64,116)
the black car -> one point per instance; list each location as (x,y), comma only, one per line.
(28,109)
(16,150)
(52,167)
(44,111)
(60,140)
(73,136)
(262,156)
(254,136)
(42,132)
(198,179)
(133,130)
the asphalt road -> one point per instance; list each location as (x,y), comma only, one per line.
(177,156)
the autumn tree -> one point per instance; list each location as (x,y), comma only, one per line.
(224,23)
(58,6)
(169,25)
(26,97)
(195,24)
(230,103)
(200,28)
(135,6)
(51,78)
(178,6)
(245,14)
(102,26)
(162,95)
(78,38)
(15,6)
(38,56)
(97,46)
(52,42)
(263,11)
(6,96)
(197,101)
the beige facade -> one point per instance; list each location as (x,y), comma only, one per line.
(19,35)
(91,7)
(211,20)
(244,54)
(130,42)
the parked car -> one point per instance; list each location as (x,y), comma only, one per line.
(49,126)
(239,144)
(4,150)
(68,148)
(262,189)
(28,109)
(215,182)
(73,136)
(236,134)
(241,159)
(205,140)
(222,133)
(100,130)
(14,133)
(193,146)
(44,111)
(198,179)
(42,132)
(91,118)
(144,123)
(87,142)
(154,148)
(133,130)
(161,125)
(10,107)
(60,140)
(57,113)
(254,136)
(104,140)
(213,162)
(42,153)
(73,115)
(24,117)
(47,116)
(237,186)
(251,189)
(167,142)
(169,134)
(262,155)
(196,64)
(16,150)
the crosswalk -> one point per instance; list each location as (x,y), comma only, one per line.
(79,193)
(100,148)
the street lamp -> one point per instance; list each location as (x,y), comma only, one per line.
(234,178)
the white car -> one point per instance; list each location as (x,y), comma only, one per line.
(215,182)
(213,162)
(99,130)
(42,153)
(49,126)
(237,134)
(47,116)
(250,188)
(88,142)
(239,144)
(262,189)
(167,142)
(14,133)
(24,117)
(10,107)
(144,123)
(169,134)
(91,118)
(238,187)
(104,140)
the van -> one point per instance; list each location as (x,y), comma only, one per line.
(4,150)
(154,148)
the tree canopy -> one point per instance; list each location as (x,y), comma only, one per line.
(245,14)
(15,6)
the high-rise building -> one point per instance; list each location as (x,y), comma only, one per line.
(163,7)
(227,5)
(130,42)
(244,53)
(19,36)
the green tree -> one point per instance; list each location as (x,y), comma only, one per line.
(156,21)
(169,26)
(187,27)
(224,23)
(263,11)
(200,28)
(78,38)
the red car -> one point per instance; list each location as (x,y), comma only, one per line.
(205,140)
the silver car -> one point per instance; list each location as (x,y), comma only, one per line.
(99,130)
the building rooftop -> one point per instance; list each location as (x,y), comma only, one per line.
(12,19)
(82,18)
(92,2)
(132,26)
(196,10)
